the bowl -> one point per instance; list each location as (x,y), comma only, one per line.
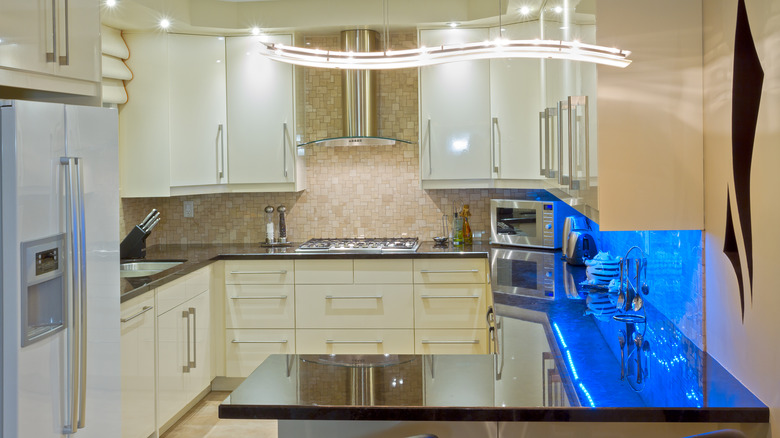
(440,240)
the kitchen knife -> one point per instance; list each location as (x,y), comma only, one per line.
(148,218)
(156,221)
(151,221)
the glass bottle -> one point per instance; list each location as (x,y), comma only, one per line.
(269,224)
(457,230)
(468,238)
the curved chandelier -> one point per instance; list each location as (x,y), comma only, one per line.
(424,56)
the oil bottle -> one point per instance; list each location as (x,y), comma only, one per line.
(468,238)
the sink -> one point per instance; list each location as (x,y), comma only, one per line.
(146,268)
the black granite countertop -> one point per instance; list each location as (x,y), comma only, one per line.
(554,363)
(196,256)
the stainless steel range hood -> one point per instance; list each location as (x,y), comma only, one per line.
(359,96)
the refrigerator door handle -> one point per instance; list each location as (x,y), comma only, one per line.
(83,291)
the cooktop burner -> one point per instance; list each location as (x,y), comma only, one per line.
(387,244)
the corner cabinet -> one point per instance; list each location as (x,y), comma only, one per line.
(261,117)
(51,46)
(206,114)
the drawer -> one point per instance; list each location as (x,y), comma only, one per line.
(259,272)
(450,271)
(137,311)
(450,305)
(248,348)
(260,306)
(323,272)
(171,295)
(354,306)
(450,341)
(373,271)
(355,341)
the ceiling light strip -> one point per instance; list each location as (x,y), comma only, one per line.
(424,56)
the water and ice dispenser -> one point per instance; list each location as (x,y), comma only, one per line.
(43,288)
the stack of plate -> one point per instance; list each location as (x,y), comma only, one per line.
(602,269)
(601,306)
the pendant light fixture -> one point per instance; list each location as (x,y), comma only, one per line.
(424,56)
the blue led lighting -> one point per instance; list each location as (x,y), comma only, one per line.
(571,365)
(555,324)
(587,394)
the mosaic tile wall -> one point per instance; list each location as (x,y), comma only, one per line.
(365,191)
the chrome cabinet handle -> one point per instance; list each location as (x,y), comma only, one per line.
(236,341)
(471,341)
(136,315)
(220,153)
(560,146)
(449,271)
(542,139)
(430,146)
(194,363)
(428,297)
(51,55)
(331,341)
(571,142)
(186,367)
(496,140)
(350,297)
(259,272)
(266,297)
(65,60)
(284,147)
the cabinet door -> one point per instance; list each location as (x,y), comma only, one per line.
(137,369)
(78,29)
(455,136)
(260,113)
(27,35)
(515,103)
(198,137)
(172,362)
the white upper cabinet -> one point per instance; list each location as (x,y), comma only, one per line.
(51,46)
(261,118)
(455,138)
(515,102)
(198,114)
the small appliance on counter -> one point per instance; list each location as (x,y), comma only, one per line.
(532,224)
(578,242)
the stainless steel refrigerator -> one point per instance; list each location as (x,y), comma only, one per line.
(60,271)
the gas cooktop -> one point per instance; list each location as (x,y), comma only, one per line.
(363,245)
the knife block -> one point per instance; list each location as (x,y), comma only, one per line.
(134,244)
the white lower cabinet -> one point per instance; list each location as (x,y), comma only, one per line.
(355,341)
(248,348)
(137,369)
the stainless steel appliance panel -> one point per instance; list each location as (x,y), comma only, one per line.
(523,272)
(533,224)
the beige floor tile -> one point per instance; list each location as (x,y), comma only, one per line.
(202,421)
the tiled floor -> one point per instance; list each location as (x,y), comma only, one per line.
(202,422)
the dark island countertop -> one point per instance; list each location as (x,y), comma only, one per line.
(554,363)
(196,256)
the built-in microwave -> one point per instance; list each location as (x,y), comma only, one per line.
(534,224)
(523,272)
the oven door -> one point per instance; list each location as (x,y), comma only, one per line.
(523,272)
(519,223)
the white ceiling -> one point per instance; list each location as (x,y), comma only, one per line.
(229,17)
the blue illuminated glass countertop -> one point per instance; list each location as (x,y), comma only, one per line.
(554,363)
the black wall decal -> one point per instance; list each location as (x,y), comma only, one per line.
(746,99)
(732,252)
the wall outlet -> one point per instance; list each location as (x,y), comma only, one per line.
(189,209)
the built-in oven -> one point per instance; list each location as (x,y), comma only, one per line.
(523,272)
(533,224)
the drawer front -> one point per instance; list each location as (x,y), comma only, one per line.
(458,271)
(450,305)
(323,272)
(354,306)
(171,295)
(355,341)
(259,272)
(197,282)
(246,349)
(450,341)
(259,306)
(372,271)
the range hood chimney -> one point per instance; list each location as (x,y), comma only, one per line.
(360,96)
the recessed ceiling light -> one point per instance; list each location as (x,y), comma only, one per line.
(255,30)
(165,23)
(453,24)
(110,3)
(525,10)
(557,9)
